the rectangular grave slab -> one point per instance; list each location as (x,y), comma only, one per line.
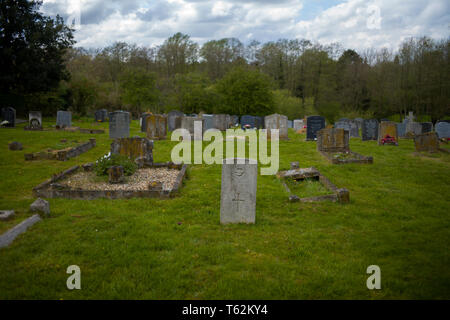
(221,121)
(260,122)
(209,121)
(369,129)
(413,128)
(156,127)
(188,124)
(290,124)
(238,192)
(62,155)
(401,129)
(313,125)
(234,121)
(143,121)
(119,124)
(428,142)
(350,125)
(443,130)
(63,119)
(387,128)
(277,121)
(171,119)
(9,115)
(101,115)
(333,140)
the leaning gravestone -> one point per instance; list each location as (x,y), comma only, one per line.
(64,119)
(248,120)
(137,149)
(427,127)
(101,115)
(35,120)
(221,121)
(238,192)
(119,124)
(333,140)
(387,128)
(313,125)
(427,142)
(171,119)
(369,129)
(443,130)
(156,127)
(9,115)
(277,121)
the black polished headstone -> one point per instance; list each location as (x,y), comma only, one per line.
(248,120)
(101,115)
(313,125)
(119,124)
(427,127)
(369,129)
(9,114)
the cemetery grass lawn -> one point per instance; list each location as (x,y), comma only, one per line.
(398,219)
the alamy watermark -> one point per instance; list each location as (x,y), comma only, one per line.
(74,281)
(374,281)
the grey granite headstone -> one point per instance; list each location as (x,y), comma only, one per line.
(414,128)
(64,119)
(143,121)
(369,129)
(101,115)
(209,121)
(221,121)
(40,206)
(277,121)
(401,129)
(350,125)
(442,129)
(188,123)
(313,125)
(8,237)
(171,119)
(298,124)
(119,124)
(238,193)
(35,120)
(9,114)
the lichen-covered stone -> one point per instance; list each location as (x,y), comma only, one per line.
(116,174)
(333,140)
(6,214)
(139,150)
(428,142)
(15,146)
(41,206)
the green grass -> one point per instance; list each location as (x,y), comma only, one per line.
(398,219)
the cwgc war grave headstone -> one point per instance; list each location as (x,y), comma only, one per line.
(277,121)
(313,125)
(221,121)
(387,133)
(101,115)
(428,142)
(298,124)
(34,121)
(156,127)
(238,191)
(171,119)
(443,130)
(369,129)
(119,124)
(248,121)
(209,121)
(9,117)
(427,127)
(63,119)
(137,149)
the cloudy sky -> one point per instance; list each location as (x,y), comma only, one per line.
(355,24)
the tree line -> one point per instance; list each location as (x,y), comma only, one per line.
(296,77)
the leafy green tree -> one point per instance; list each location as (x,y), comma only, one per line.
(193,93)
(32,48)
(139,90)
(246,91)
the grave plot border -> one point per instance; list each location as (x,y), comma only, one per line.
(52,189)
(62,155)
(359,158)
(340,195)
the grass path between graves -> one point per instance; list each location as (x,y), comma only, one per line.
(398,219)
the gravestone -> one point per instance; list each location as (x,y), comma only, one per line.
(290,124)
(238,192)
(333,140)
(119,124)
(209,121)
(171,119)
(143,121)
(188,124)
(369,129)
(359,122)
(387,128)
(248,120)
(443,130)
(221,121)
(260,123)
(298,124)
(63,119)
(313,125)
(401,129)
(413,128)
(9,115)
(35,120)
(156,127)
(427,127)
(234,121)
(350,125)
(137,149)
(277,121)
(427,142)
(116,175)
(101,115)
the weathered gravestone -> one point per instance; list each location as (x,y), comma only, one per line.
(137,149)
(387,128)
(359,122)
(277,121)
(290,124)
(188,123)
(238,193)
(221,121)
(248,121)
(156,127)
(401,129)
(298,124)
(9,115)
(63,119)
(143,121)
(333,140)
(101,115)
(413,128)
(443,130)
(209,121)
(369,129)
(427,127)
(119,124)
(427,142)
(350,125)
(171,119)
(260,123)
(116,175)
(35,120)
(234,121)
(313,125)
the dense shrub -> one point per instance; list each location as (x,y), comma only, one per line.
(103,164)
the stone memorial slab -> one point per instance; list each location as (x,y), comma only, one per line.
(260,123)
(41,206)
(101,115)
(238,192)
(221,121)
(119,124)
(387,128)
(277,121)
(248,120)
(413,128)
(35,120)
(428,142)
(9,115)
(369,129)
(63,119)
(350,125)
(8,237)
(188,123)
(427,127)
(313,125)
(6,214)
(443,130)
(209,121)
(290,124)
(298,124)
(171,119)
(401,129)
(333,140)
(143,121)
(139,150)
(156,127)
(234,121)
